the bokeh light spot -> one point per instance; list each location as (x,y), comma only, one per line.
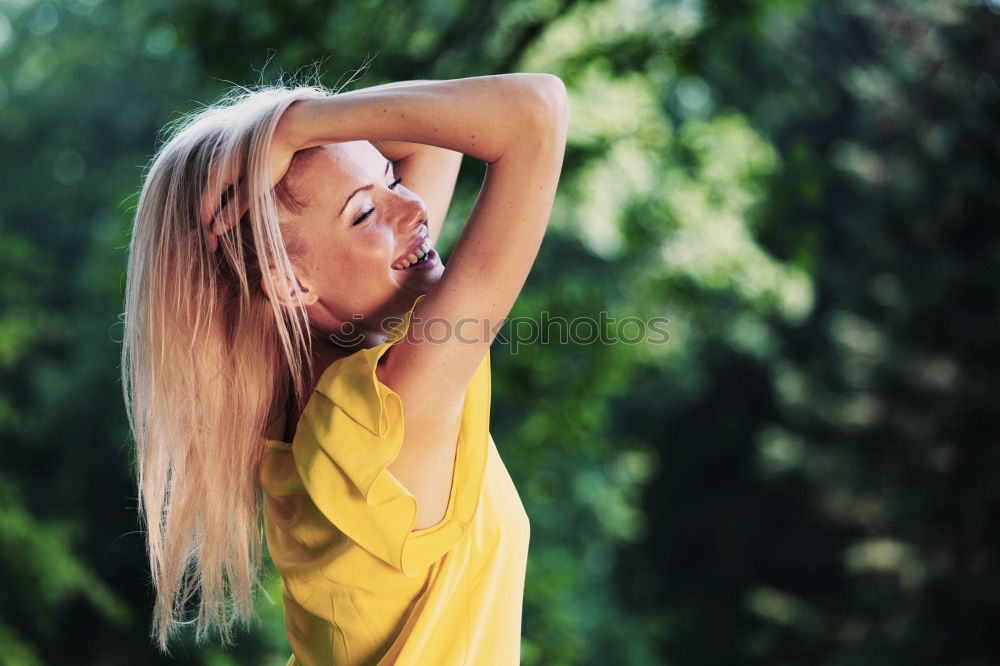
(44,20)
(69,168)
(161,40)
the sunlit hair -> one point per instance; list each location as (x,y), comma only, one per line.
(209,363)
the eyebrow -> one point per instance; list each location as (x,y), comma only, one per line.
(388,163)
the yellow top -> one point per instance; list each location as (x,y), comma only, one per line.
(359,586)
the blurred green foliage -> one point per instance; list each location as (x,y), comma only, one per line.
(805,472)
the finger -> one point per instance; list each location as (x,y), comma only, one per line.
(208,210)
(210,197)
(210,238)
(219,191)
(234,204)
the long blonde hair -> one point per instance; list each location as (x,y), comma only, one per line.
(209,363)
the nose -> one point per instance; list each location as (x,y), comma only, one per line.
(411,215)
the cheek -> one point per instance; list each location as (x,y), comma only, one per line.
(345,260)
(372,246)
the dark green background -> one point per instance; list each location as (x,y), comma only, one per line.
(805,473)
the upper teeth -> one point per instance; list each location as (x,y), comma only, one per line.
(411,258)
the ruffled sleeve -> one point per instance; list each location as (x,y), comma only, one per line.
(352,429)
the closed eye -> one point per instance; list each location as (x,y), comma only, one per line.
(361,218)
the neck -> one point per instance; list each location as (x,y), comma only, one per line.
(328,348)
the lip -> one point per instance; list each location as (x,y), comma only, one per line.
(412,247)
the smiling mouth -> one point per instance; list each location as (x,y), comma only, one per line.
(421,254)
(424,257)
(426,262)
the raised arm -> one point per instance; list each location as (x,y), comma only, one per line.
(429,171)
(517,124)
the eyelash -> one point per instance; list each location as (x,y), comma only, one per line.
(361,218)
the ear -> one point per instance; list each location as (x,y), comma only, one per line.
(308,295)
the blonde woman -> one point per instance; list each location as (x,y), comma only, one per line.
(297,356)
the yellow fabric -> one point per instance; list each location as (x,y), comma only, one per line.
(358,585)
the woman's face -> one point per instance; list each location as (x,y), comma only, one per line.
(356,225)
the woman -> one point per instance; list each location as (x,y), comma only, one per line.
(292,335)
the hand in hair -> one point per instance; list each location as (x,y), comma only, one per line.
(219,213)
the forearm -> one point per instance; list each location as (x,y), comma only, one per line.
(401,151)
(478,116)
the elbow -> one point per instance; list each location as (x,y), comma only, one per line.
(554,92)
(549,105)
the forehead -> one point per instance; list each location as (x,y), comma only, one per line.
(317,176)
(349,160)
